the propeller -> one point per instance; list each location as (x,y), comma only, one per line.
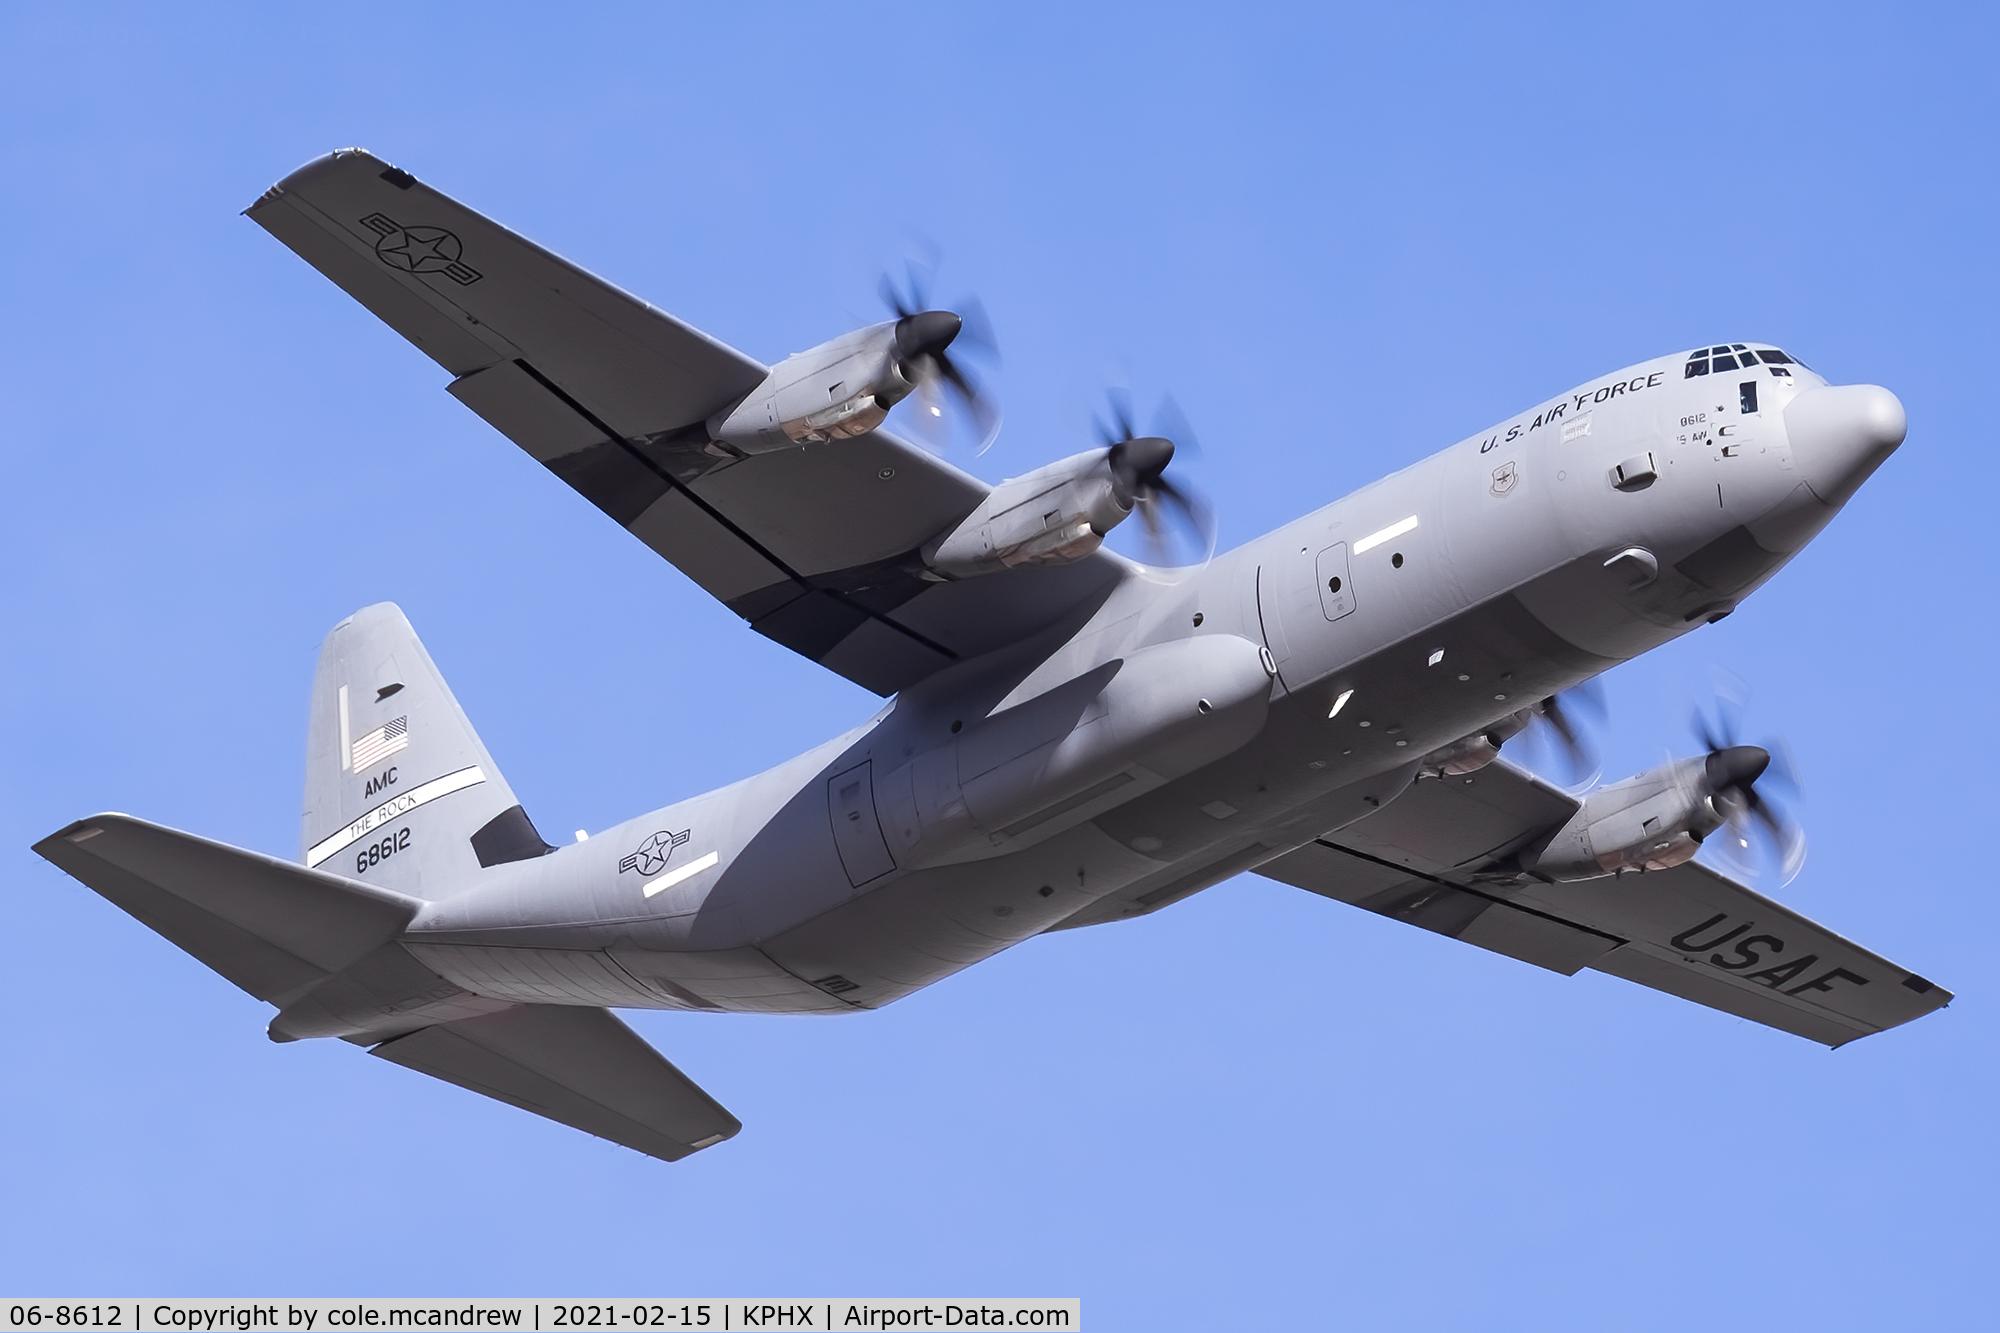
(1564,727)
(1178,526)
(1760,834)
(922,337)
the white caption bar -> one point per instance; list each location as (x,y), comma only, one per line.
(545,1315)
(396,807)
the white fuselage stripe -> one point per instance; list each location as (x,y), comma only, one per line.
(1376,538)
(688,871)
(394,808)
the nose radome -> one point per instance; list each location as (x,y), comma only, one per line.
(1841,434)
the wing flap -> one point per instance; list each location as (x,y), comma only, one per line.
(578,1066)
(273,928)
(1441,908)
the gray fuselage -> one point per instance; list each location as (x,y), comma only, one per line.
(1172,734)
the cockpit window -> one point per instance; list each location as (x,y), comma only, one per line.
(1736,356)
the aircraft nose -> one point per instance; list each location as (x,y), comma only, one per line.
(1840,435)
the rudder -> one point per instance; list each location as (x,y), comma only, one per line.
(400,791)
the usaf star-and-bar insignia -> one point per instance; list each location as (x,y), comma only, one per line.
(651,858)
(419,249)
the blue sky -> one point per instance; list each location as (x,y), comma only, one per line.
(1342,238)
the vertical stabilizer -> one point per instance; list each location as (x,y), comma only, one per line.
(399,790)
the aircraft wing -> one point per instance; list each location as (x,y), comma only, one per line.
(813,546)
(1431,857)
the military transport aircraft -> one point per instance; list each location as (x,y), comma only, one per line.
(1069,738)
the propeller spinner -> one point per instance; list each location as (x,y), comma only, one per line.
(1178,525)
(1759,835)
(923,336)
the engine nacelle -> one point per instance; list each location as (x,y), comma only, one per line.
(1474,752)
(1650,822)
(835,391)
(1055,514)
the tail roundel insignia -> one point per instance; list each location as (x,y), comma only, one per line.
(653,853)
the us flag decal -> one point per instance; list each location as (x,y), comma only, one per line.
(380,743)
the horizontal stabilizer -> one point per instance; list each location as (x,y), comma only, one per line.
(577,1066)
(272,927)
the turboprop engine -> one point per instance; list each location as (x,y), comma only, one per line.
(841,388)
(1655,820)
(1063,511)
(1057,513)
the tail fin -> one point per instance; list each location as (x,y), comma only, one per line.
(399,790)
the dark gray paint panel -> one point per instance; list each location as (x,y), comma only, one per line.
(508,837)
(517,405)
(883,660)
(975,616)
(704,549)
(828,507)
(812,624)
(1536,939)
(609,477)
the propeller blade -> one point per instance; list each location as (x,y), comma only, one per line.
(923,336)
(926,420)
(1177,527)
(977,335)
(1173,423)
(1565,727)
(1760,839)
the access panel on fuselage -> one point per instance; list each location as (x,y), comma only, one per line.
(857,833)
(1335,582)
(1305,597)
